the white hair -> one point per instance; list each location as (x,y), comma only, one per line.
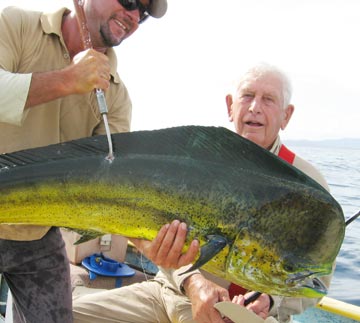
(265,69)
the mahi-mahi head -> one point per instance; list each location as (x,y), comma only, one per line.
(262,223)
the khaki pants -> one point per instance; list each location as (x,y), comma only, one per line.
(153,301)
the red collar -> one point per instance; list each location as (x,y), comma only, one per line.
(286,154)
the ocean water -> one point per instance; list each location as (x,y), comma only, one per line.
(341,168)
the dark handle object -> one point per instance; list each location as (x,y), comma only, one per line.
(252,298)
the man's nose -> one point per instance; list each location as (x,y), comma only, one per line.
(134,15)
(255,106)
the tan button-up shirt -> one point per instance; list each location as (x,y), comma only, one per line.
(32,42)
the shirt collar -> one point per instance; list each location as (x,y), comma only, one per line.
(276,146)
(51,24)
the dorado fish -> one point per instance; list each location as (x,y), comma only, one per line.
(261,223)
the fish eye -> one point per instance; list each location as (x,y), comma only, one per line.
(289,267)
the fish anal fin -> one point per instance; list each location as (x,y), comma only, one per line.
(86,235)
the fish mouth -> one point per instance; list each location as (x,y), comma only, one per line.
(306,280)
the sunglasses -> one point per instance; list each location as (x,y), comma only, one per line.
(131,5)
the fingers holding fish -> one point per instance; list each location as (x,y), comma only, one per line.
(171,249)
(190,254)
(165,241)
(166,249)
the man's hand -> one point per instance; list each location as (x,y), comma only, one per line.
(260,307)
(166,249)
(88,70)
(203,295)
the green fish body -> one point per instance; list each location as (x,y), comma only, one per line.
(278,229)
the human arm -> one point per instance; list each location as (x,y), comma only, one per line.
(263,302)
(22,91)
(204,294)
(88,70)
(30,56)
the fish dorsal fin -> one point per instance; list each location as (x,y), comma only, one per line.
(211,144)
(77,148)
(196,142)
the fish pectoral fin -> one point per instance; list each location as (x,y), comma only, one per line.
(86,235)
(214,245)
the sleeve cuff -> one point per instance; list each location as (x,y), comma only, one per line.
(14,89)
(177,278)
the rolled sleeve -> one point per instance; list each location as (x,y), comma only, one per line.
(14,89)
(177,277)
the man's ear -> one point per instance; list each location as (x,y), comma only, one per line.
(289,110)
(229,102)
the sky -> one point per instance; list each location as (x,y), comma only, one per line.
(178,69)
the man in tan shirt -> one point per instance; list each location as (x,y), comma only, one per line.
(47,84)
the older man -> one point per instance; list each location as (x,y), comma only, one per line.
(259,108)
